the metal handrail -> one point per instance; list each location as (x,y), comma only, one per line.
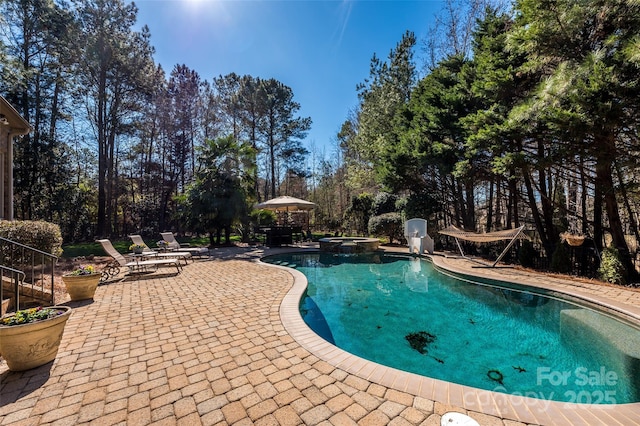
(37,267)
(17,277)
(15,243)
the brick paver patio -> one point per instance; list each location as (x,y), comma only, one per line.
(207,346)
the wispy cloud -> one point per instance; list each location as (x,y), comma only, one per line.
(344,12)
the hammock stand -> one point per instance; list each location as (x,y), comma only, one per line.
(488,237)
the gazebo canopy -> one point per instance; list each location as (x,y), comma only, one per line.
(286,203)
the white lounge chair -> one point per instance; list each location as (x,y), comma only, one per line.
(173,244)
(184,255)
(137,265)
(415,231)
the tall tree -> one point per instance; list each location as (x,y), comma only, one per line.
(495,144)
(217,199)
(381,96)
(280,129)
(35,77)
(452,31)
(184,90)
(588,51)
(432,142)
(114,67)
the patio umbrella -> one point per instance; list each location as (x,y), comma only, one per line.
(286,203)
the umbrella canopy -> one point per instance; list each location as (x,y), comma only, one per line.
(286,203)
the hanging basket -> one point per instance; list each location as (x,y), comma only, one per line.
(572,239)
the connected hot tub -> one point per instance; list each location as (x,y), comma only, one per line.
(349,244)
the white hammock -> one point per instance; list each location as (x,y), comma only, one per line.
(488,237)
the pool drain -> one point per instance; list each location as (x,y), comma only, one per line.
(457,419)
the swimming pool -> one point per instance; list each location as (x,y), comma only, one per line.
(402,313)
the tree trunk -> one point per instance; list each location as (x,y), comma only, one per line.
(272,164)
(625,198)
(546,199)
(102,155)
(535,213)
(470,211)
(583,198)
(604,179)
(490,205)
(456,208)
(498,214)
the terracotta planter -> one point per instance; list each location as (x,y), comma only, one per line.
(81,287)
(34,344)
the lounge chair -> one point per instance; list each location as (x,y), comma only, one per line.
(137,265)
(415,231)
(173,244)
(137,239)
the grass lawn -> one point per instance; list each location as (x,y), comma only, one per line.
(94,248)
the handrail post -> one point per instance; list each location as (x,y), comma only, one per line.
(17,278)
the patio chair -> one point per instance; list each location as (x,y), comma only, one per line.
(173,244)
(183,255)
(134,266)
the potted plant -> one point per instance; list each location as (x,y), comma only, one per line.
(162,245)
(137,248)
(81,283)
(30,338)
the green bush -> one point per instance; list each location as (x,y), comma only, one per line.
(611,268)
(389,224)
(560,261)
(262,217)
(421,204)
(358,213)
(40,235)
(383,202)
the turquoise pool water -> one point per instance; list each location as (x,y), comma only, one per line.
(402,313)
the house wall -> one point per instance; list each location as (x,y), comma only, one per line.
(12,125)
(6,172)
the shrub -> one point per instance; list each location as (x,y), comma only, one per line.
(40,235)
(389,224)
(262,217)
(421,204)
(383,203)
(359,212)
(560,261)
(611,268)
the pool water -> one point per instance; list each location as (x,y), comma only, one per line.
(401,312)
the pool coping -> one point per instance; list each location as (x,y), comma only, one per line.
(511,407)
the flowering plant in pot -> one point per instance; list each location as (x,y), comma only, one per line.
(137,248)
(81,283)
(30,337)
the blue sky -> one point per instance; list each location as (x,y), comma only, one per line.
(321,49)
